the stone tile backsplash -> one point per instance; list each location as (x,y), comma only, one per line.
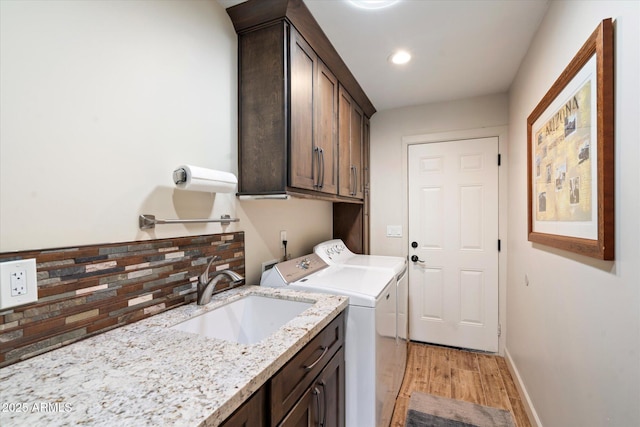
(84,291)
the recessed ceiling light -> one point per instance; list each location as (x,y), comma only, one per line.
(373,4)
(400,57)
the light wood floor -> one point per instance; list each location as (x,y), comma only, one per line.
(456,374)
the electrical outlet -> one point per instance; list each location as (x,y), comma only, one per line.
(283,237)
(18,283)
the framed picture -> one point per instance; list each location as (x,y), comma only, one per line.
(570,153)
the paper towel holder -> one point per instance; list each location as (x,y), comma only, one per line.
(179,176)
(196,178)
(147,221)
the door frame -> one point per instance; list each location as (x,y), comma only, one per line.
(501,133)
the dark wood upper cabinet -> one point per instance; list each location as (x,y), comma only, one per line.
(351,122)
(291,81)
(327,128)
(303,119)
(314,105)
(263,113)
(305,157)
(252,14)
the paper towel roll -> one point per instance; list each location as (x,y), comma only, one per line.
(195,178)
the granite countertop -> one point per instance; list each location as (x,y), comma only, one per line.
(147,374)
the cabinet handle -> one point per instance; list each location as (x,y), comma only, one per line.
(351,181)
(310,367)
(354,180)
(321,162)
(316,393)
(324,404)
(316,173)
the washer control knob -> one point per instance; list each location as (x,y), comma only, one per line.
(304,264)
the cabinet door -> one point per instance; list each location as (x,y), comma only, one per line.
(326,141)
(303,81)
(305,413)
(330,383)
(252,413)
(323,404)
(299,374)
(357,123)
(350,132)
(344,141)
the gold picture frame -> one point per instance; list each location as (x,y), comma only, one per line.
(570,154)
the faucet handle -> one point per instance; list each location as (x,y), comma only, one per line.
(204,277)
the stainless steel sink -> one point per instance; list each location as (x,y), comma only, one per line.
(248,320)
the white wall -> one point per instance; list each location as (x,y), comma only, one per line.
(388,203)
(99,101)
(574,332)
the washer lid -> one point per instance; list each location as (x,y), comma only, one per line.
(396,264)
(335,252)
(362,286)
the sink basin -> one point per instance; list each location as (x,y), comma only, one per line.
(246,321)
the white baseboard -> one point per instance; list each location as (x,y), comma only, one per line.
(528,406)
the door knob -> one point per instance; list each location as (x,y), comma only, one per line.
(414,245)
(415,258)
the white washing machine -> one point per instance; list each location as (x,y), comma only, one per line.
(335,252)
(370,333)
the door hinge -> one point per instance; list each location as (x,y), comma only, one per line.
(499,159)
(498,245)
(499,329)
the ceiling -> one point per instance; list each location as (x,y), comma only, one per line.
(460,48)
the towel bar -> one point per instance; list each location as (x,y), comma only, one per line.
(149,221)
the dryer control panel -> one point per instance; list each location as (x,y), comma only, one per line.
(333,251)
(299,268)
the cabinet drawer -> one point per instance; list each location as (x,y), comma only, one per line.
(288,385)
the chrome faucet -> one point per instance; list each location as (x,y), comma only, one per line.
(206,285)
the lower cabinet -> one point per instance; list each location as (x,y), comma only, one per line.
(308,391)
(322,403)
(331,383)
(252,413)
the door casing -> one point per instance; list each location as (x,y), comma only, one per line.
(457,279)
(501,133)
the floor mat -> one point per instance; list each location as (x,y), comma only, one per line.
(426,410)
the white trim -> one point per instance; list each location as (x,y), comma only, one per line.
(501,133)
(456,134)
(528,405)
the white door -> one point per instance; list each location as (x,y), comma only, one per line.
(453,224)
